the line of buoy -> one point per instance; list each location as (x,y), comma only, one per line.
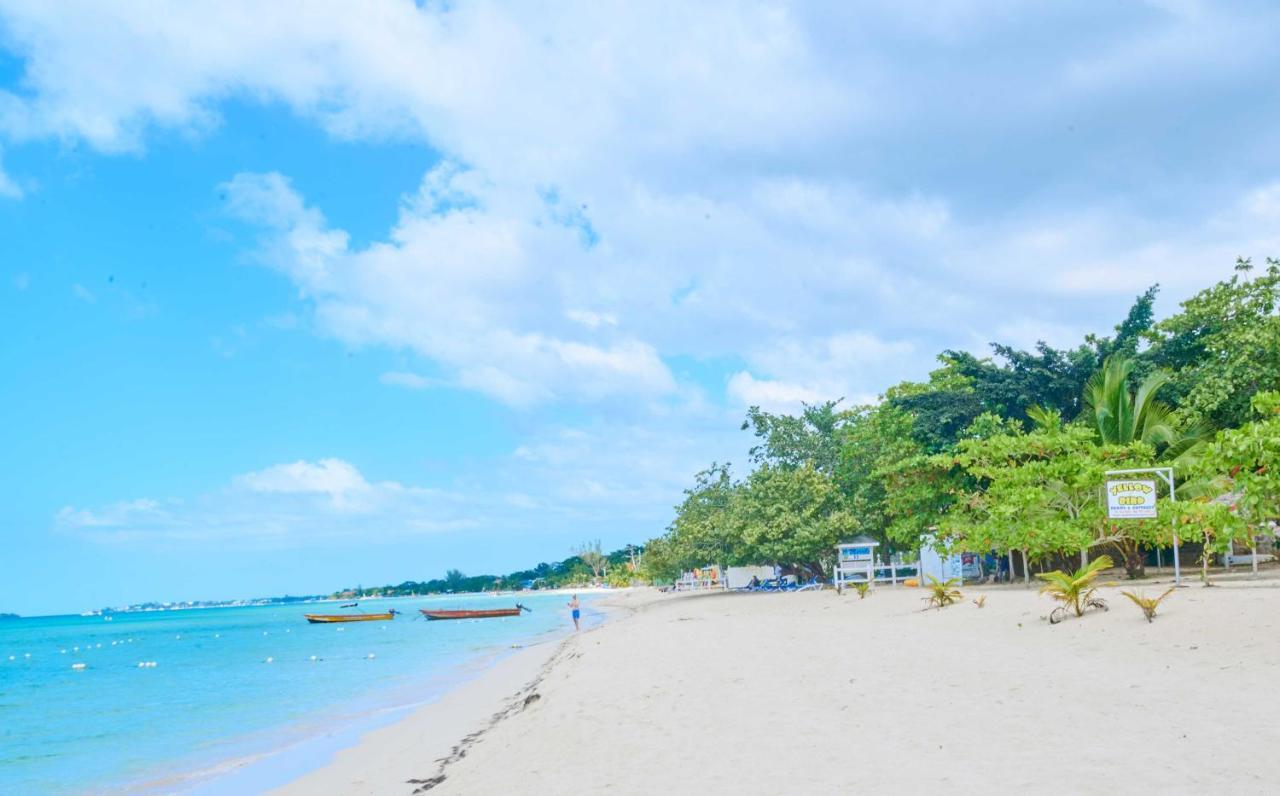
(146,664)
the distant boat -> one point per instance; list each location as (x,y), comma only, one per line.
(323,619)
(473,614)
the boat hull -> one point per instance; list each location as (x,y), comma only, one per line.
(326,619)
(489,614)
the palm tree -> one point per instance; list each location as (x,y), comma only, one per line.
(1074,591)
(1121,416)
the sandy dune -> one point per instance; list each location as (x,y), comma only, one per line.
(820,693)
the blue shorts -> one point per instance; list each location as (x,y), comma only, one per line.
(577,614)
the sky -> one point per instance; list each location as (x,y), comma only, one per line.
(298,296)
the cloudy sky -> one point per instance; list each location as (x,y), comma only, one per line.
(301,295)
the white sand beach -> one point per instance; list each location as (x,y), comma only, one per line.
(819,693)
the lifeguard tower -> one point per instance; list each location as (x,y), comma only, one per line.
(856,563)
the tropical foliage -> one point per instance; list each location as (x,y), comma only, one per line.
(1149,605)
(1010,452)
(943,592)
(1075,592)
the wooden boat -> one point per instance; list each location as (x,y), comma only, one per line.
(473,614)
(324,619)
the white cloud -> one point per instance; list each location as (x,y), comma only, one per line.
(399,378)
(628,183)
(591,319)
(9,189)
(331,477)
(283,506)
(852,366)
(456,284)
(625,186)
(772,395)
(615,479)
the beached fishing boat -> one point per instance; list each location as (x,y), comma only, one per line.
(323,619)
(473,614)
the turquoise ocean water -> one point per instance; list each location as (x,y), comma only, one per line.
(212,695)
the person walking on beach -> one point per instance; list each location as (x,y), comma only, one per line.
(577,612)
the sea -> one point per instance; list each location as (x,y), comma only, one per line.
(163,701)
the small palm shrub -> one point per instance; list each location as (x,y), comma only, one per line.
(942,592)
(1076,591)
(1147,604)
(862,589)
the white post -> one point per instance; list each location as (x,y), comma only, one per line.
(1253,553)
(1159,560)
(1011,565)
(1177,565)
(1084,557)
(1026,568)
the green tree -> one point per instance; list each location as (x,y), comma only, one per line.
(792,516)
(1006,384)
(872,443)
(705,529)
(1120,416)
(591,554)
(791,441)
(454,580)
(1042,492)
(1249,457)
(1224,346)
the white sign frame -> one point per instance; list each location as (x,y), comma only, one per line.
(1131,499)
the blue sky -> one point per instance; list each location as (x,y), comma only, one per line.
(306,295)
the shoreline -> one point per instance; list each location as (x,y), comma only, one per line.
(411,752)
(796,691)
(276,756)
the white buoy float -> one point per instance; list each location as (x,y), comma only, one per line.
(270,659)
(77,666)
(314,658)
(369,657)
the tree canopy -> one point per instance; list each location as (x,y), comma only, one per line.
(1009,452)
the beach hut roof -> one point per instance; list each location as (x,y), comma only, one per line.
(860,540)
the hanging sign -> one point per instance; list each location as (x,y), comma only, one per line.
(1131,500)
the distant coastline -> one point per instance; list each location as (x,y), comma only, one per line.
(588,567)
